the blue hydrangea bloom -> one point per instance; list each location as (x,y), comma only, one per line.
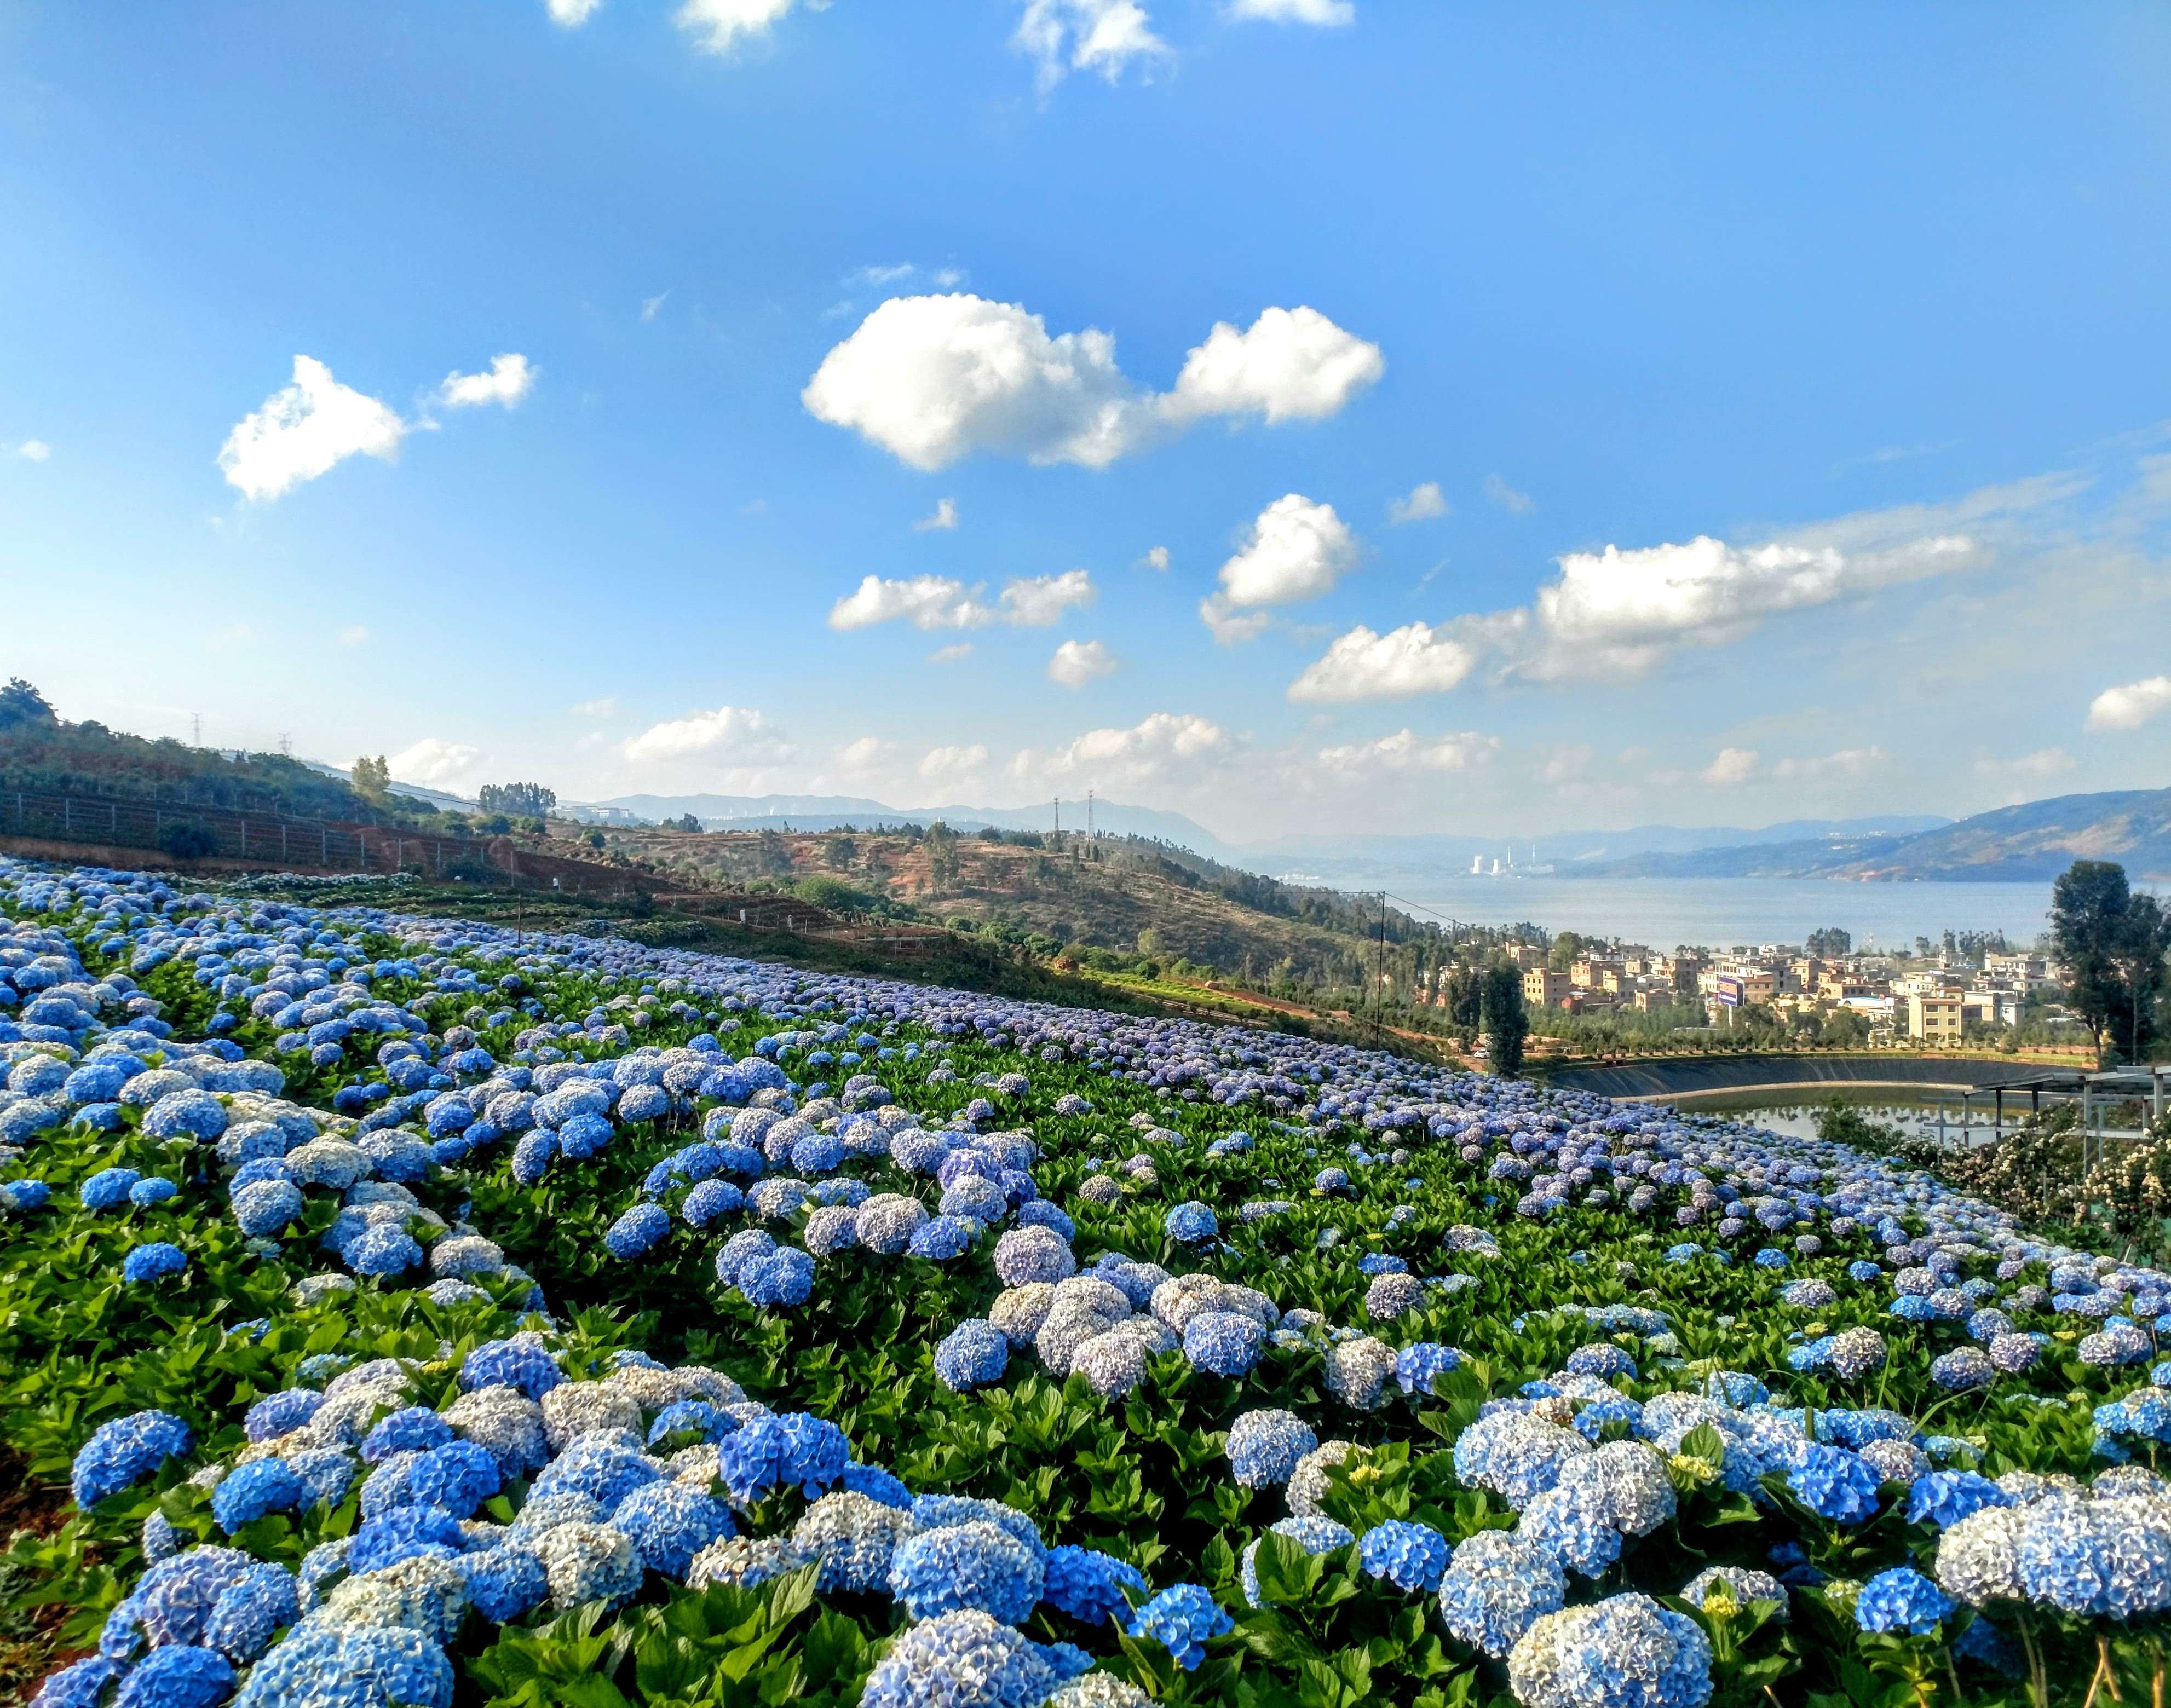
(178,1676)
(504,1581)
(960,1660)
(109,1188)
(1419,1365)
(521,1364)
(1901,1599)
(1410,1557)
(1223,1342)
(1183,1618)
(1264,1448)
(1190,1222)
(126,1451)
(152,1261)
(967,1565)
(1944,1497)
(1088,1585)
(670,1523)
(971,1355)
(641,1227)
(249,1491)
(1835,1483)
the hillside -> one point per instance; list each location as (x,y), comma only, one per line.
(1126,897)
(2029,843)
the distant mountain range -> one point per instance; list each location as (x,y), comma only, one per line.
(2031,842)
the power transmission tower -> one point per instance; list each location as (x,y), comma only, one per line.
(1058,821)
(1089,815)
(1379,971)
(195,729)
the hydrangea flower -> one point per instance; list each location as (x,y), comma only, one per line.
(1183,1618)
(959,1659)
(1265,1447)
(1496,1585)
(1627,1651)
(125,1451)
(978,1564)
(1901,1599)
(1410,1557)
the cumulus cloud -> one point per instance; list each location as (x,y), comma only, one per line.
(1291,364)
(1502,494)
(2044,762)
(432,762)
(934,378)
(927,601)
(950,654)
(1296,550)
(1566,763)
(1107,36)
(2131,706)
(1321,12)
(1034,602)
(35,450)
(1164,745)
(572,14)
(868,753)
(1730,767)
(1417,658)
(944,519)
(941,763)
(1156,558)
(941,602)
(1405,751)
(728,736)
(509,378)
(722,26)
(1425,502)
(605,706)
(1620,611)
(1077,663)
(1847,762)
(305,429)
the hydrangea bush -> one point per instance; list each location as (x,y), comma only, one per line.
(414,1312)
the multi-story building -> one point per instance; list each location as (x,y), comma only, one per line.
(1543,988)
(1935,1017)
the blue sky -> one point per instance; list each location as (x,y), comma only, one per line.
(1776,403)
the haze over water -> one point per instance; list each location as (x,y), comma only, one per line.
(1663,912)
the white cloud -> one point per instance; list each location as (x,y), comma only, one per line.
(1404,752)
(1077,663)
(305,429)
(933,379)
(1228,625)
(604,707)
(1296,550)
(722,26)
(2044,762)
(1620,612)
(1105,36)
(945,517)
(1847,762)
(572,14)
(431,761)
(1502,494)
(953,762)
(1417,658)
(928,602)
(1323,11)
(1566,763)
(955,653)
(1163,746)
(880,276)
(1037,601)
(1424,502)
(941,602)
(1293,364)
(1732,766)
(36,450)
(510,377)
(353,635)
(2131,706)
(1156,558)
(731,735)
(868,753)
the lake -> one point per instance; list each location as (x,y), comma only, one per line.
(1719,911)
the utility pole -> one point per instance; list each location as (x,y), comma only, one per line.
(1089,815)
(1058,821)
(195,729)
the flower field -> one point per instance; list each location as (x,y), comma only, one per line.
(422,1315)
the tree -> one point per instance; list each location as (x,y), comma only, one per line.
(373,779)
(685,821)
(1831,943)
(1567,950)
(941,848)
(1507,1023)
(23,708)
(518,800)
(2113,944)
